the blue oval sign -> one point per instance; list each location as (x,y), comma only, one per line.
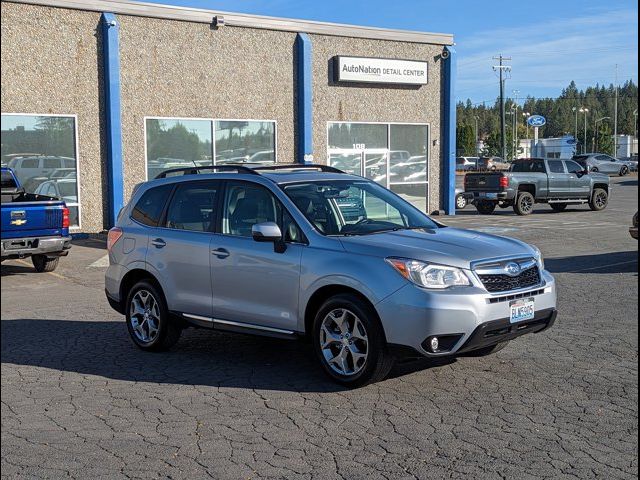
(536,120)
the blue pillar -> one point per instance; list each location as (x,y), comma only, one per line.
(305,99)
(449,132)
(113,125)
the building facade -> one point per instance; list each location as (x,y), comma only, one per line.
(100,95)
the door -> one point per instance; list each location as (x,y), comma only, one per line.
(253,283)
(559,179)
(580,183)
(607,164)
(178,249)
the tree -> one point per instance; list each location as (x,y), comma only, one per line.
(604,139)
(466,140)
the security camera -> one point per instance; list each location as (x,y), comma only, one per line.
(445,54)
(218,21)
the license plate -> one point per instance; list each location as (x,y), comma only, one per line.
(522,310)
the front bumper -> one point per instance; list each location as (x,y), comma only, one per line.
(25,247)
(411,316)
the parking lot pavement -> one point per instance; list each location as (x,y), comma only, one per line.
(78,400)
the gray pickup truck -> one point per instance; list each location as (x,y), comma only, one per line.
(535,180)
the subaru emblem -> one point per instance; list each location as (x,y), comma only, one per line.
(512,269)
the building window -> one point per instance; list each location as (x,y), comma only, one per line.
(396,155)
(177,143)
(245,141)
(41,150)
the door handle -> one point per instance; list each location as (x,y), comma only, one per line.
(220,252)
(158,243)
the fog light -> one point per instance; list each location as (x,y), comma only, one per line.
(434,343)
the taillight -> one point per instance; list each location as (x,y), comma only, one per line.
(113,236)
(65,218)
(504,182)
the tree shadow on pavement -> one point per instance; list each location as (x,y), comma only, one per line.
(201,357)
(616,262)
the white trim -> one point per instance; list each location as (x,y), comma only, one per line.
(388,124)
(252,326)
(76,145)
(213,134)
(170,12)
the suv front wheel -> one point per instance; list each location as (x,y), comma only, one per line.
(349,342)
(148,320)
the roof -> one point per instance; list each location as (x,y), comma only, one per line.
(198,15)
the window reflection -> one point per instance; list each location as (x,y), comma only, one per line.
(245,142)
(41,150)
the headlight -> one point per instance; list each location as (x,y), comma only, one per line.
(428,275)
(538,255)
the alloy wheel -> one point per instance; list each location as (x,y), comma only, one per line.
(144,313)
(601,199)
(344,342)
(526,203)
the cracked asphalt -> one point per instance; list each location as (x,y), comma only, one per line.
(80,401)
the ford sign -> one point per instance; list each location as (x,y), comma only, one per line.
(536,120)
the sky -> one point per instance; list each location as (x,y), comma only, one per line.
(550,42)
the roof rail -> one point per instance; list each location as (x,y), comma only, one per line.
(300,166)
(196,170)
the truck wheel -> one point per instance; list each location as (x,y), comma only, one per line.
(595,169)
(149,322)
(599,199)
(349,342)
(485,207)
(461,202)
(524,203)
(42,263)
(558,207)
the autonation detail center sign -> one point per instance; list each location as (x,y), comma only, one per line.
(380,70)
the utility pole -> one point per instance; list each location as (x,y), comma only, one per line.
(584,145)
(515,125)
(476,118)
(501,68)
(615,119)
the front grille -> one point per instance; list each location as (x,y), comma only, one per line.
(505,283)
(53,218)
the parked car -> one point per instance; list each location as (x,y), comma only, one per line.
(265,156)
(599,162)
(39,166)
(64,188)
(467,164)
(535,180)
(633,230)
(269,251)
(493,164)
(35,226)
(462,198)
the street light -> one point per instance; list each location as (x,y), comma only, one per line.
(635,123)
(595,146)
(584,144)
(526,116)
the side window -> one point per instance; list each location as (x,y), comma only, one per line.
(193,207)
(556,166)
(245,205)
(573,167)
(538,166)
(604,158)
(29,163)
(149,208)
(51,163)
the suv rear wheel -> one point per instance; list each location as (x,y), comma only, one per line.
(599,199)
(524,203)
(349,342)
(148,320)
(485,207)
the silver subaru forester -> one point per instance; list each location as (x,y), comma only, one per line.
(309,251)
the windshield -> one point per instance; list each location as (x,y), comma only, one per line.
(7,180)
(355,207)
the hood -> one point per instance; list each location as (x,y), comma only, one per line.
(601,177)
(446,246)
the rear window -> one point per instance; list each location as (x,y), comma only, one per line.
(8,181)
(556,166)
(531,166)
(150,206)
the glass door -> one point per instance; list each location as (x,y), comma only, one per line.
(369,163)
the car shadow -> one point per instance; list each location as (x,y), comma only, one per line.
(617,262)
(628,183)
(13,269)
(201,357)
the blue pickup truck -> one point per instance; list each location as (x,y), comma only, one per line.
(35,226)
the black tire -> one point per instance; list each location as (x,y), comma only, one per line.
(483,352)
(599,199)
(485,207)
(524,203)
(461,202)
(624,171)
(378,362)
(42,263)
(595,169)
(558,207)
(168,329)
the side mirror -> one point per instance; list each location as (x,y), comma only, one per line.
(266,232)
